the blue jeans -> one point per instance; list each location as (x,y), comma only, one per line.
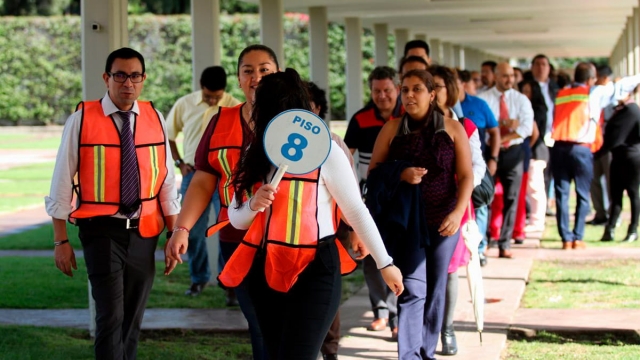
(571,162)
(482,219)
(246,305)
(197,250)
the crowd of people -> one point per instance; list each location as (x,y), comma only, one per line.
(436,147)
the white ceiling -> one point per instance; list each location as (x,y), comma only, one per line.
(510,28)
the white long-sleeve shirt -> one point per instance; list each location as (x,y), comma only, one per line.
(58,203)
(519,108)
(336,182)
(478,166)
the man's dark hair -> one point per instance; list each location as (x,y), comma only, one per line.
(214,78)
(123,53)
(563,79)
(604,71)
(527,75)
(410,59)
(416,44)
(381,73)
(491,64)
(584,72)
(319,97)
(464,75)
(538,57)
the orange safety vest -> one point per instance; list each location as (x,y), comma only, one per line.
(289,235)
(225,149)
(572,120)
(99,152)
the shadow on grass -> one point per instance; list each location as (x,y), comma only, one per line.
(609,338)
(586,281)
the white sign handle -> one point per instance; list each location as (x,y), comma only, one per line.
(277,177)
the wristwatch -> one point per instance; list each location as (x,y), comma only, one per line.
(494,158)
(179,162)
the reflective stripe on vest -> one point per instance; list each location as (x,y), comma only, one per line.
(225,149)
(292,234)
(572,120)
(99,153)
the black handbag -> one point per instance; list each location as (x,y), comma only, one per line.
(483,194)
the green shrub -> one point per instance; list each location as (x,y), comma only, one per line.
(40,61)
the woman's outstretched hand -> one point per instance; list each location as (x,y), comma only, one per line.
(393,277)
(263,198)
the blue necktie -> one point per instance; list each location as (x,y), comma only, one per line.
(129,182)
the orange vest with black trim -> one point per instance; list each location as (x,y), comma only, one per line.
(99,153)
(289,235)
(572,119)
(225,149)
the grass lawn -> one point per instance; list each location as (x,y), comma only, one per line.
(35,283)
(24,342)
(545,345)
(24,186)
(30,140)
(609,284)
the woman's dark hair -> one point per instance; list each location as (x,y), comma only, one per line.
(449,76)
(276,93)
(428,82)
(319,97)
(537,103)
(256,47)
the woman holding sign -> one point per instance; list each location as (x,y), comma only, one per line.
(289,260)
(426,149)
(226,135)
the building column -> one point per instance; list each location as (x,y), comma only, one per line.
(420,36)
(353,39)
(630,47)
(469,61)
(402,37)
(458,57)
(381,34)
(205,38)
(272,28)
(435,49)
(319,50)
(636,41)
(104,29)
(447,54)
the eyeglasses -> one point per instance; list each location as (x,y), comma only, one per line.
(121,77)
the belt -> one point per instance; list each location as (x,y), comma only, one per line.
(110,221)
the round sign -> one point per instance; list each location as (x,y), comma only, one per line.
(299,139)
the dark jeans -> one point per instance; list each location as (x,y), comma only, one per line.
(625,175)
(197,250)
(295,323)
(601,194)
(246,305)
(422,303)
(121,268)
(331,341)
(571,162)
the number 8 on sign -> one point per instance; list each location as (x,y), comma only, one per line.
(299,139)
(295,145)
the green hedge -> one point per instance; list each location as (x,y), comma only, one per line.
(40,61)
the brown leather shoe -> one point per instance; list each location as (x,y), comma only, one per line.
(378,324)
(566,245)
(579,244)
(504,253)
(394,334)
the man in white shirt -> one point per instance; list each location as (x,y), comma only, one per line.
(190,115)
(487,76)
(118,148)
(515,117)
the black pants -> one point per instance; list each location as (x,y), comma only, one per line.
(294,324)
(121,268)
(625,175)
(510,174)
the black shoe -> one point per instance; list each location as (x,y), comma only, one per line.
(329,356)
(632,235)
(597,221)
(483,259)
(550,213)
(230,297)
(518,241)
(449,344)
(608,234)
(195,289)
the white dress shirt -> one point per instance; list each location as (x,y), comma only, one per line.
(332,185)
(519,109)
(478,165)
(58,203)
